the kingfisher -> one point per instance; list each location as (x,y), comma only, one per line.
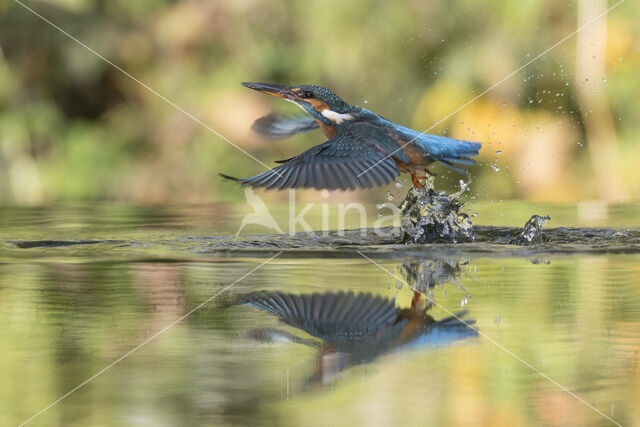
(353,328)
(363,149)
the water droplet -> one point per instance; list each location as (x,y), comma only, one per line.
(495,168)
(399,284)
(504,104)
(379,214)
(398,183)
(365,101)
(498,152)
(389,195)
(379,205)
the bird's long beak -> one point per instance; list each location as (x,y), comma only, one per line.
(275,90)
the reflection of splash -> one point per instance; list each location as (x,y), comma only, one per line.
(429,216)
(422,274)
(352,328)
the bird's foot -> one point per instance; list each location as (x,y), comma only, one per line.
(416,180)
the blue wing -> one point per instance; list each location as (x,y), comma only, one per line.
(339,163)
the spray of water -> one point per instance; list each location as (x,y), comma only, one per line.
(429,216)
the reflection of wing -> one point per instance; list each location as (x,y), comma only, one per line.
(274,126)
(272,335)
(339,163)
(334,317)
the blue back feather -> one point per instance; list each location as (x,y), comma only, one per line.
(440,148)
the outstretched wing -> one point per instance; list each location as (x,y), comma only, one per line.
(275,126)
(335,317)
(339,163)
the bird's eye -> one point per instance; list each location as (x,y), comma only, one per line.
(307,94)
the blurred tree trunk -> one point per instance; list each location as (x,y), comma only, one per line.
(602,141)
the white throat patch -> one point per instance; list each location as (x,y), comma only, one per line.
(336,117)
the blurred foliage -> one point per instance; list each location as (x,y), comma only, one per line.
(73,127)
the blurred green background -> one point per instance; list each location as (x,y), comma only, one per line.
(73,127)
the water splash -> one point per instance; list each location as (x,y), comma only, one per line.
(532,232)
(429,216)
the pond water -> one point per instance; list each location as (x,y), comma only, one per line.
(159,316)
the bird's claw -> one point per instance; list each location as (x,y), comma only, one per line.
(415,178)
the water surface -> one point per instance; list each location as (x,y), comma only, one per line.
(81,286)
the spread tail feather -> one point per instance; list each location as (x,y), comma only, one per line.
(454,167)
(451,152)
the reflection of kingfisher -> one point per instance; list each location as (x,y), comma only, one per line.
(354,328)
(364,150)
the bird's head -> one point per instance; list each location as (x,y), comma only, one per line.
(318,101)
